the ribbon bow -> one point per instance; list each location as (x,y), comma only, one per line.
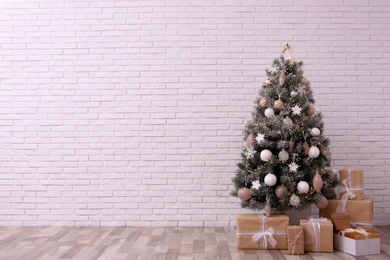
(314,226)
(266,236)
(360,231)
(349,194)
(294,243)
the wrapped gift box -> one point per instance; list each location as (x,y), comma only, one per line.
(256,231)
(357,243)
(341,220)
(360,211)
(318,234)
(353,179)
(295,239)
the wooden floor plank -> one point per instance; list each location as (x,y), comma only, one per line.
(148,243)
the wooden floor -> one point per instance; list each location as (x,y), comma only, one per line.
(144,243)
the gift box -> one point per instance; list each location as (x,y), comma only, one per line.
(318,234)
(360,211)
(351,183)
(357,242)
(256,231)
(340,220)
(295,239)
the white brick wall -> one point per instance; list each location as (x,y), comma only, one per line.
(131,112)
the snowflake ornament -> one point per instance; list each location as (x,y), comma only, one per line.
(250,153)
(293,167)
(256,185)
(296,110)
(260,137)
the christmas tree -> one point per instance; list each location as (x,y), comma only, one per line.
(285,158)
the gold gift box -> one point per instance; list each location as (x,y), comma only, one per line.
(318,240)
(296,240)
(360,211)
(249,225)
(355,181)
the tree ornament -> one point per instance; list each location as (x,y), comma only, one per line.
(282,78)
(291,146)
(315,131)
(269,112)
(260,138)
(325,152)
(306,148)
(278,104)
(263,102)
(256,185)
(270,179)
(293,94)
(296,110)
(288,122)
(322,202)
(311,111)
(280,190)
(249,141)
(267,82)
(317,182)
(266,155)
(295,200)
(303,187)
(244,194)
(250,153)
(314,152)
(293,167)
(283,156)
(304,81)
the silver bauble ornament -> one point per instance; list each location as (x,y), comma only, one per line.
(283,156)
(293,94)
(288,122)
(295,200)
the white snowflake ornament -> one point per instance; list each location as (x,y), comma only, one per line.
(260,137)
(256,185)
(250,153)
(296,110)
(293,167)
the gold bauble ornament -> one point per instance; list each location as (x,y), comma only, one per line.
(278,104)
(317,182)
(263,102)
(249,141)
(304,81)
(311,111)
(322,202)
(280,190)
(244,194)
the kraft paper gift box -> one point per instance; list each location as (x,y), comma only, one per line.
(341,220)
(256,231)
(357,242)
(318,234)
(360,211)
(295,240)
(351,182)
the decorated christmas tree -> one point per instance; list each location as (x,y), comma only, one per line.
(285,158)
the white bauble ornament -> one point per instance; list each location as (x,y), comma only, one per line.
(265,155)
(315,131)
(303,187)
(314,152)
(295,200)
(293,94)
(270,179)
(269,112)
(283,156)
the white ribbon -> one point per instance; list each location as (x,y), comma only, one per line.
(315,224)
(360,231)
(348,194)
(265,235)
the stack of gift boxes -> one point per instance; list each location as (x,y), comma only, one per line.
(345,224)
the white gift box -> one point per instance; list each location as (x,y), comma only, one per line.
(357,242)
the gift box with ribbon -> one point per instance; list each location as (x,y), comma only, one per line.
(256,231)
(318,234)
(341,220)
(295,239)
(360,211)
(357,242)
(351,184)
